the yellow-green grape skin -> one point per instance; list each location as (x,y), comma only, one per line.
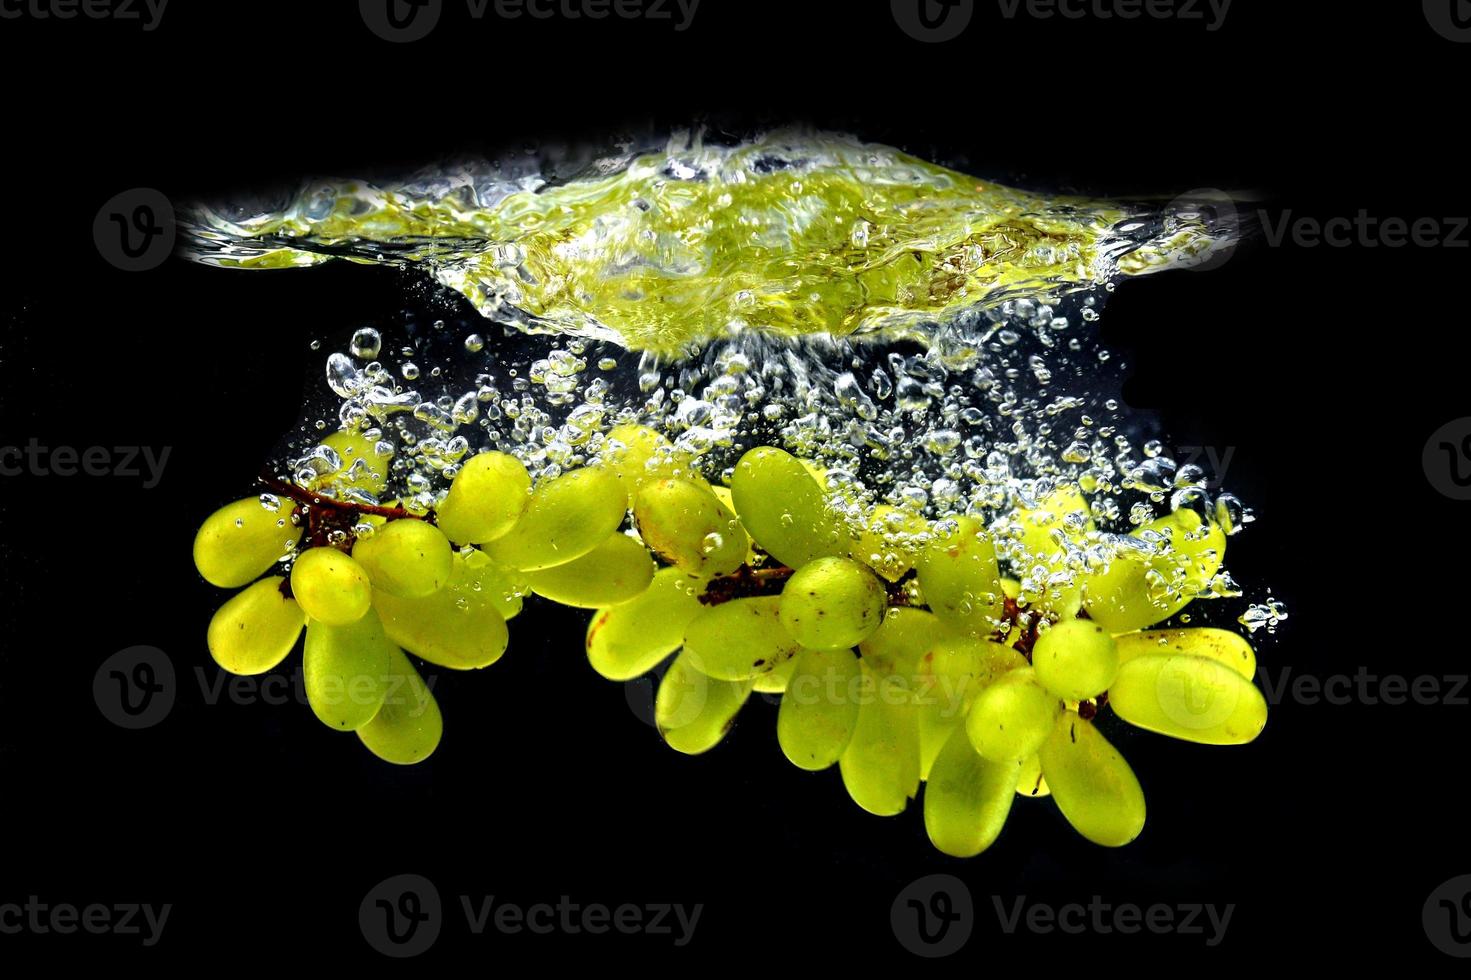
(738,640)
(686,524)
(961,580)
(255,629)
(775,682)
(330,586)
(639,455)
(363,467)
(485,500)
(1011,718)
(567,517)
(1190,698)
(905,635)
(459,626)
(1051,515)
(880,765)
(1075,659)
(238,543)
(819,710)
(723,495)
(1224,646)
(1031,782)
(406,558)
(407,729)
(693,711)
(630,639)
(832,603)
(346,671)
(888,541)
(1133,594)
(967,798)
(504,586)
(1094,787)
(784,509)
(947,679)
(615,571)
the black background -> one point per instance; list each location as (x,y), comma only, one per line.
(1326,369)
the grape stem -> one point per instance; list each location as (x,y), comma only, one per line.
(331,522)
(746,582)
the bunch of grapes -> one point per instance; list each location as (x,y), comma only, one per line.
(901,653)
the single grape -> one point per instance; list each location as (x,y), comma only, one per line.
(1075,659)
(364,468)
(738,640)
(406,558)
(890,540)
(346,671)
(961,580)
(1031,781)
(568,516)
(1011,718)
(485,500)
(640,455)
(948,679)
(1190,698)
(967,798)
(629,640)
(407,729)
(819,710)
(1063,512)
(1137,591)
(687,525)
(753,556)
(615,571)
(1094,787)
(238,543)
(1224,646)
(694,711)
(832,603)
(255,629)
(905,635)
(880,765)
(331,587)
(504,587)
(460,626)
(784,508)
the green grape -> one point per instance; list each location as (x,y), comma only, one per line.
(832,603)
(1031,782)
(905,635)
(459,626)
(1225,646)
(1011,718)
(346,670)
(776,681)
(880,765)
(1052,514)
(738,640)
(255,629)
(407,729)
(947,679)
(631,638)
(889,541)
(639,455)
(784,508)
(722,494)
(967,798)
(819,710)
(1094,787)
(406,558)
(364,469)
(1133,593)
(485,500)
(1075,659)
(961,580)
(330,586)
(693,711)
(615,571)
(239,542)
(687,525)
(1190,698)
(567,517)
(502,585)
